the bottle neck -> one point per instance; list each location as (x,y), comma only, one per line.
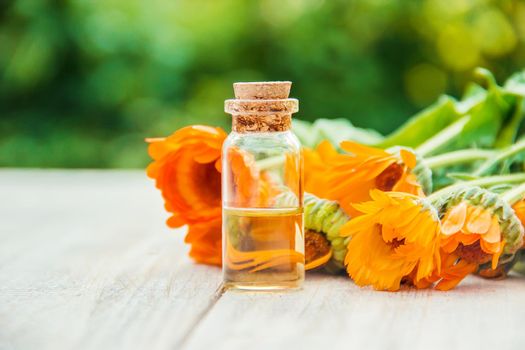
(247,123)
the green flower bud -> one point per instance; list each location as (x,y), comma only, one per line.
(511,228)
(327,217)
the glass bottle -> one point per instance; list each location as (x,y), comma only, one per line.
(262,190)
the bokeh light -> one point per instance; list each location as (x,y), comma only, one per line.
(83,82)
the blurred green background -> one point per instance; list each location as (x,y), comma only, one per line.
(83,82)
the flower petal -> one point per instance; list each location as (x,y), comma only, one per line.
(408,158)
(479,220)
(494,232)
(454,219)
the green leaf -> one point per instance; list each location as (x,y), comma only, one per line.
(474,94)
(306,133)
(507,134)
(423,125)
(487,115)
(485,122)
(333,130)
(490,113)
(484,110)
(516,84)
(514,92)
(473,89)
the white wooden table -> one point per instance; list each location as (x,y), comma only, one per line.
(86,262)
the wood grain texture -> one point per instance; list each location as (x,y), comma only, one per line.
(333,313)
(86,262)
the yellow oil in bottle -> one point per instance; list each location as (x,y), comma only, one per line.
(264,248)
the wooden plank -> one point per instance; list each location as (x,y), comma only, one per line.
(333,313)
(87,262)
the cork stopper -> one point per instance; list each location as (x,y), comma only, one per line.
(267,90)
(261,106)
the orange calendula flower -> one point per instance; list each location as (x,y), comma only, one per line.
(253,187)
(396,236)
(519,209)
(473,233)
(477,228)
(316,168)
(244,176)
(451,271)
(186,169)
(350,177)
(292,172)
(206,241)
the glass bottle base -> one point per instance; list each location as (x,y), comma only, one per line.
(260,287)
(265,281)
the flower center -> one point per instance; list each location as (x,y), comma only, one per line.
(316,245)
(472,253)
(207,182)
(396,243)
(389,177)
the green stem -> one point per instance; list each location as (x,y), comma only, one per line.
(443,137)
(458,157)
(482,182)
(513,195)
(488,76)
(270,163)
(506,153)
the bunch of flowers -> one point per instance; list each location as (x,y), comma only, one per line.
(438,199)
